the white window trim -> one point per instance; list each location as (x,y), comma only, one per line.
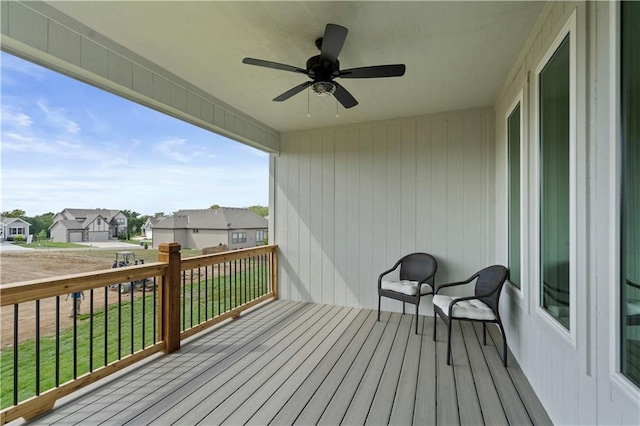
(518,293)
(619,380)
(569,335)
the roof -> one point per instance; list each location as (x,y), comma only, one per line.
(85,213)
(68,224)
(222,218)
(9,220)
(155,220)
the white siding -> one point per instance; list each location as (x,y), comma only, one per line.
(350,201)
(577,383)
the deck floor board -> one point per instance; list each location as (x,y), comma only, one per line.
(297,363)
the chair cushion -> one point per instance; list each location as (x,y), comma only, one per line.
(471,309)
(405,287)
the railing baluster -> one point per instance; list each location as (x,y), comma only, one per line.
(106,325)
(218,286)
(206,293)
(184,299)
(120,321)
(155,310)
(15,354)
(91,329)
(132,315)
(191,300)
(75,336)
(199,298)
(144,316)
(38,347)
(57,341)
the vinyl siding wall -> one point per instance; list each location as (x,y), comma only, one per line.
(576,378)
(350,201)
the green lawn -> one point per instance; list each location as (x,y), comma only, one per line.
(201,301)
(50,244)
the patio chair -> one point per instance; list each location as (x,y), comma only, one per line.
(482,307)
(417,271)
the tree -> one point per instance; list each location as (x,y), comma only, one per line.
(260,210)
(159,214)
(133,222)
(40,223)
(15,213)
(214,207)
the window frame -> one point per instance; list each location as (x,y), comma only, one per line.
(519,100)
(617,377)
(236,240)
(570,335)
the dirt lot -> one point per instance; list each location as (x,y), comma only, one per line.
(24,266)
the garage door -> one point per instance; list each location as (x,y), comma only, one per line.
(75,237)
(96,236)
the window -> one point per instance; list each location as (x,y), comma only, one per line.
(238,237)
(261,236)
(554,113)
(513,147)
(195,231)
(99,222)
(630,232)
(16,231)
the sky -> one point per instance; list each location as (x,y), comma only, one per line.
(66,144)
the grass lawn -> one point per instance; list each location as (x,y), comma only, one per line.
(200,301)
(50,244)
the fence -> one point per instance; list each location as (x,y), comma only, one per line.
(133,313)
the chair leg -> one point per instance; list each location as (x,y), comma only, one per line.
(379,307)
(449,342)
(484,333)
(435,318)
(417,306)
(402,308)
(504,344)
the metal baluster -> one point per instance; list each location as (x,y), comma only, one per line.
(15,354)
(106,325)
(155,312)
(132,315)
(119,321)
(57,341)
(38,347)
(206,293)
(91,330)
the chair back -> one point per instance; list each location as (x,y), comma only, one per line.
(417,266)
(491,280)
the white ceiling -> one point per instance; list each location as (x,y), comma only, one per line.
(458,54)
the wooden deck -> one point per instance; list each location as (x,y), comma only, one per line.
(297,363)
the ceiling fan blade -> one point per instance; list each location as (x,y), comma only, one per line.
(332,42)
(273,65)
(376,71)
(344,97)
(289,93)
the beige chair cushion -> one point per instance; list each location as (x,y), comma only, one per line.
(405,287)
(471,309)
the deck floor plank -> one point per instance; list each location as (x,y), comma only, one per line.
(296,392)
(336,391)
(470,412)
(297,363)
(490,403)
(511,402)
(405,396)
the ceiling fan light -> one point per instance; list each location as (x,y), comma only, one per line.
(323,89)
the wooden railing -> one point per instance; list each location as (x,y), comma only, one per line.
(127,327)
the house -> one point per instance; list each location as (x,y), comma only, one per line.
(87,225)
(13,226)
(235,227)
(512,138)
(147,227)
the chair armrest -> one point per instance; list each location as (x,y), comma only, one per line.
(388,271)
(441,286)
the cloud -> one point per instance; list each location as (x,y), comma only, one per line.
(56,117)
(14,118)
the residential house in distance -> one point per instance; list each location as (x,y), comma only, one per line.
(87,225)
(147,227)
(13,226)
(197,229)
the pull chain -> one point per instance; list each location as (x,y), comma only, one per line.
(337,108)
(308,101)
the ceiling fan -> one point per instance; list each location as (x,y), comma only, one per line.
(322,69)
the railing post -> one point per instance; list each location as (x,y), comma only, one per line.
(169,312)
(274,272)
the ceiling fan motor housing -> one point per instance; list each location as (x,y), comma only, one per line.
(320,71)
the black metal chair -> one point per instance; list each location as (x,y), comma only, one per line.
(482,307)
(416,279)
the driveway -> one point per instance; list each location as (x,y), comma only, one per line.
(7,246)
(112,245)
